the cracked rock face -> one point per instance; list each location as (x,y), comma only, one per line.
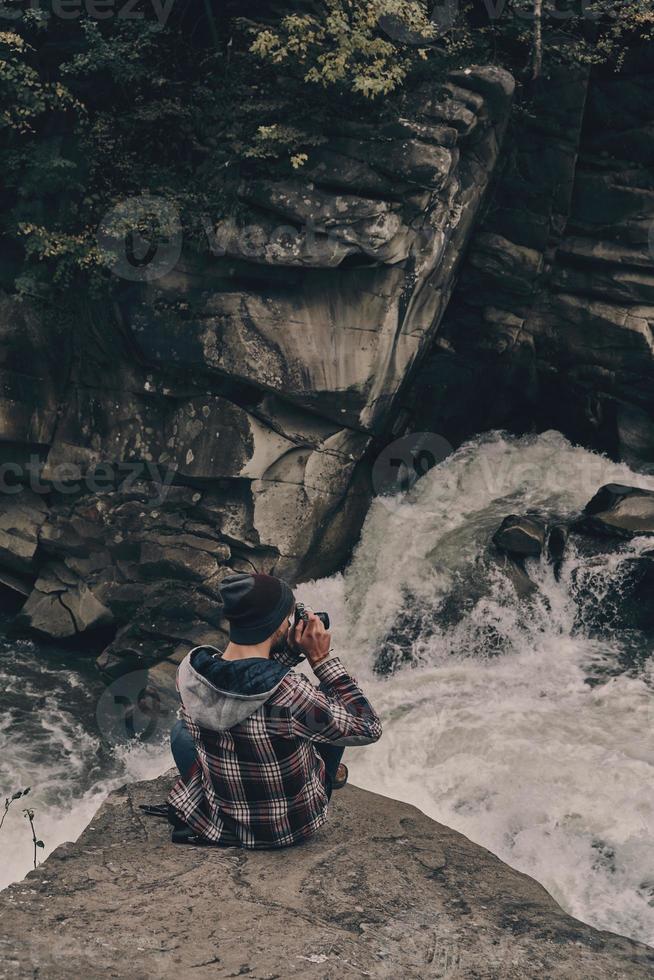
(552,319)
(220,417)
(381,891)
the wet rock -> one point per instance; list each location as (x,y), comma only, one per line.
(514,570)
(520,537)
(167,620)
(162,683)
(158,560)
(618,511)
(635,593)
(557,539)
(143,644)
(15,585)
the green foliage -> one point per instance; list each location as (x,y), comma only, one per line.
(96,111)
(353,44)
(102,110)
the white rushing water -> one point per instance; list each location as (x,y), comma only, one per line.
(50,742)
(490,722)
(493,728)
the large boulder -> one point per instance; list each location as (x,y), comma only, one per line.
(338,342)
(618,511)
(381,891)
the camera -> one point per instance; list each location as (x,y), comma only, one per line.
(302,612)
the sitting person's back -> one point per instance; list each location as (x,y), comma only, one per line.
(257,745)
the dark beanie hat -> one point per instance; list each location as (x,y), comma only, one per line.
(255,605)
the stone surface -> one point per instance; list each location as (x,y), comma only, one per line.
(550,325)
(521,537)
(340,337)
(21,517)
(222,417)
(61,605)
(618,511)
(557,539)
(381,891)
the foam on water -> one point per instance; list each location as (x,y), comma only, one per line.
(492,727)
(49,741)
(490,724)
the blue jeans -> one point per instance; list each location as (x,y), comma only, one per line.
(183,748)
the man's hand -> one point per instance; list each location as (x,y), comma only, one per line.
(311,638)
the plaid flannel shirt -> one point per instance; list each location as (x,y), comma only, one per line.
(261,784)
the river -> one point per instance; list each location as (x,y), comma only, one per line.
(516,722)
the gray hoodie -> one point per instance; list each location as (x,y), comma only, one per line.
(218,694)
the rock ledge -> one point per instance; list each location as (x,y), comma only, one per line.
(383,891)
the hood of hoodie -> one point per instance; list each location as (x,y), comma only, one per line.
(218,694)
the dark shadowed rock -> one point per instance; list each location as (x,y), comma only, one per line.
(550,324)
(521,537)
(557,539)
(381,891)
(61,605)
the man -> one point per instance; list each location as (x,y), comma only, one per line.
(257,745)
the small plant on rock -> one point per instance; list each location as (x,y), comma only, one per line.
(11,799)
(29,814)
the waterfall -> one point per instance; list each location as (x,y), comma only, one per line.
(520,722)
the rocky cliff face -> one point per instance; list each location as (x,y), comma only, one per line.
(254,380)
(551,322)
(260,381)
(382,891)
